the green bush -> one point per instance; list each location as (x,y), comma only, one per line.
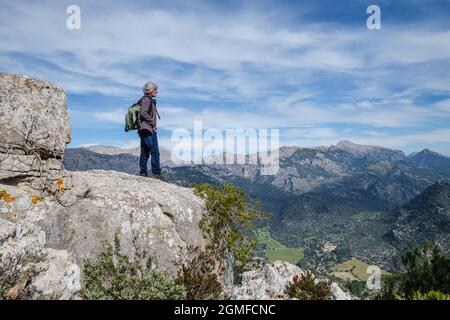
(114,276)
(304,288)
(230,223)
(432,295)
(199,276)
(425,270)
(357,288)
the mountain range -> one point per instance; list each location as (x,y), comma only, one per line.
(363,199)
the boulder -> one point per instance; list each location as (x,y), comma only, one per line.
(338,294)
(92,207)
(34,126)
(270,282)
(266,283)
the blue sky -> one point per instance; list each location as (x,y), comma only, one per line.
(310,68)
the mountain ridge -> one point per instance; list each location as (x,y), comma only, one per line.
(343,194)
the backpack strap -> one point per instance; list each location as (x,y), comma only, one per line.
(157,113)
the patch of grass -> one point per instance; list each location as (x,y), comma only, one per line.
(277,251)
(353,270)
(265,238)
(366,215)
(290,255)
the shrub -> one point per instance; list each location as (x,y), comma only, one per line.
(115,277)
(230,222)
(304,288)
(14,282)
(357,288)
(199,277)
(2,288)
(16,286)
(432,295)
(425,270)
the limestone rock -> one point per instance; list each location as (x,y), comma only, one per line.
(36,271)
(94,206)
(270,283)
(266,283)
(338,294)
(34,126)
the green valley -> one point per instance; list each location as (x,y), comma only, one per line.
(275,250)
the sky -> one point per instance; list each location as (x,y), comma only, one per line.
(311,69)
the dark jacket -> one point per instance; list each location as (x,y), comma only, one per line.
(148,114)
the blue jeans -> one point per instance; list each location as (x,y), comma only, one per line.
(149,146)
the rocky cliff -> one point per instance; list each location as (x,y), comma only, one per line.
(52,220)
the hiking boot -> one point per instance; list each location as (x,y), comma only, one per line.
(159,177)
(143,175)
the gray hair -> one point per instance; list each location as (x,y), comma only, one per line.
(149,87)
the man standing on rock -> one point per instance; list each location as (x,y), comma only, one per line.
(147,131)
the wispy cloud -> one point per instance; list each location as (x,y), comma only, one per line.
(263,64)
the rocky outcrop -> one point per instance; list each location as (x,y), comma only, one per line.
(34,126)
(338,294)
(266,283)
(270,283)
(51,220)
(32,270)
(92,207)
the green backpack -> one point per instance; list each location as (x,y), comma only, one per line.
(133,117)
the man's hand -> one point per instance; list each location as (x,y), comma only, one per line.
(154,129)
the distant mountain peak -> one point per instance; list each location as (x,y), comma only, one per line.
(427,151)
(344,143)
(375,153)
(110,150)
(352,147)
(432,159)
